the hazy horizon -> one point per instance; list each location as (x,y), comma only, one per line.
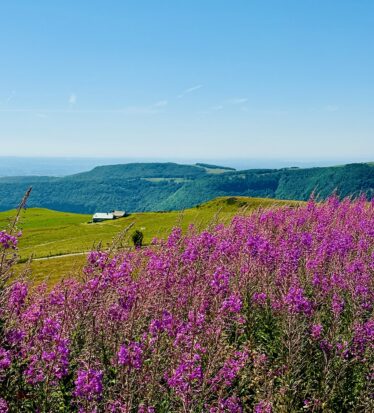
(195,80)
(62,166)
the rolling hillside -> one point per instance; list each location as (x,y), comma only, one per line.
(169,186)
(66,236)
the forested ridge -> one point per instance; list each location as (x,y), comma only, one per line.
(170,186)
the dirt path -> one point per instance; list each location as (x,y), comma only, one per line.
(73,254)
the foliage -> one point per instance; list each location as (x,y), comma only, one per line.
(137,238)
(161,187)
(271,313)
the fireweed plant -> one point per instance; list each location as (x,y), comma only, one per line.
(272,313)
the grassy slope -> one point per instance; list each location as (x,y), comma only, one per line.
(49,233)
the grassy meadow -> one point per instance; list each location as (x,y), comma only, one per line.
(57,241)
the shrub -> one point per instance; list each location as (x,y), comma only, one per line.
(137,238)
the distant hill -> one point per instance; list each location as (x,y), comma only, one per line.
(142,170)
(209,167)
(170,186)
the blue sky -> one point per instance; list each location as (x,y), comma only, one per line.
(188,79)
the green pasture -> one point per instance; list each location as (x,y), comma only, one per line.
(51,237)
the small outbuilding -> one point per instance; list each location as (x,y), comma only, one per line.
(102,216)
(119,214)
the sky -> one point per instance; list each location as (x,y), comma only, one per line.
(196,79)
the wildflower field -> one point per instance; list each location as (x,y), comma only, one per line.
(270,313)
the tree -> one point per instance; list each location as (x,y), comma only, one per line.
(137,238)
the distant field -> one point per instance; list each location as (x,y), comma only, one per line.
(51,234)
(176,180)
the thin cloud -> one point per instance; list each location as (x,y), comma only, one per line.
(154,108)
(236,101)
(212,109)
(8,98)
(160,103)
(189,90)
(227,102)
(41,115)
(129,110)
(331,108)
(139,110)
(216,108)
(73,99)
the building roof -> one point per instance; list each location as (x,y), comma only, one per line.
(102,215)
(119,213)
